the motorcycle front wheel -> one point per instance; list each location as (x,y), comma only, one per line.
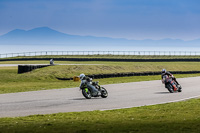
(104,92)
(86,93)
(180,89)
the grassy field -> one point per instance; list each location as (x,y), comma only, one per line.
(180,117)
(45,78)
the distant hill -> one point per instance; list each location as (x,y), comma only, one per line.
(47,36)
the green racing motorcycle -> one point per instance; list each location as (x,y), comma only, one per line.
(87,93)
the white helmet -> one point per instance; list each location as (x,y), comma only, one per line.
(164,70)
(82,76)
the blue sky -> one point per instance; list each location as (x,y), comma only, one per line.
(131,19)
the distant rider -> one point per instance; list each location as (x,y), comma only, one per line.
(85,81)
(51,62)
(165,72)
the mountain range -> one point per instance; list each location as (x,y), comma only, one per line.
(48,36)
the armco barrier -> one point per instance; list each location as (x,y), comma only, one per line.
(112,75)
(28,68)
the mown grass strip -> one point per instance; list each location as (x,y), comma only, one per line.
(22,86)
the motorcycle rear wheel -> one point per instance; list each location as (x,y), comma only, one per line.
(86,93)
(104,92)
(170,88)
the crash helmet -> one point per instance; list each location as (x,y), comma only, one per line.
(81,76)
(164,70)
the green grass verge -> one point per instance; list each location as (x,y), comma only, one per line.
(180,117)
(28,84)
(45,78)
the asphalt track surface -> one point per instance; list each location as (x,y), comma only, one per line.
(14,65)
(124,95)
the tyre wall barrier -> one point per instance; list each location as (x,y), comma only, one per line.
(28,68)
(112,75)
(106,59)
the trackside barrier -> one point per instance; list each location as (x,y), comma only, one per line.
(28,68)
(106,59)
(112,75)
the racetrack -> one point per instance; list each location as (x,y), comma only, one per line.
(15,65)
(123,95)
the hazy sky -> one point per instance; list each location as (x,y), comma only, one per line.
(131,19)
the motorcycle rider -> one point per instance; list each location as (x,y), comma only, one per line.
(165,72)
(85,81)
(51,62)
